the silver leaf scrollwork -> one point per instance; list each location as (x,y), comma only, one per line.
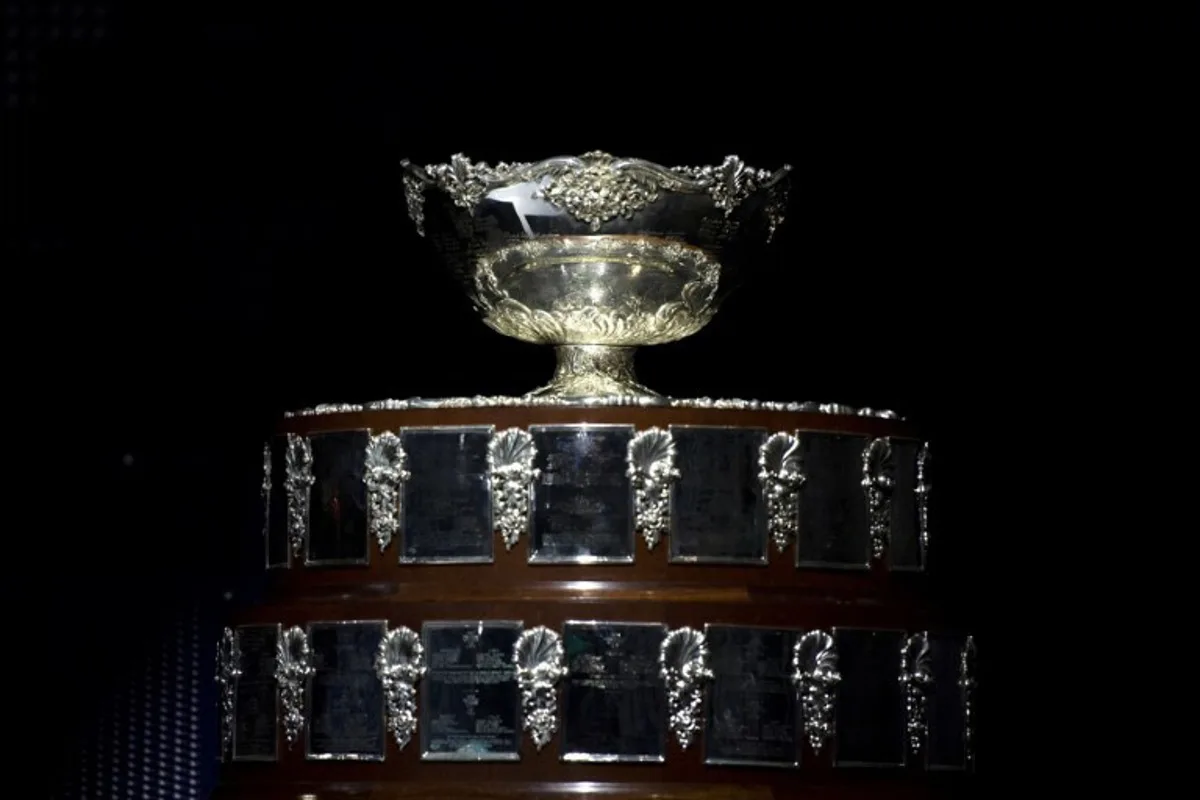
(878,480)
(264,491)
(781,473)
(966,684)
(510,466)
(298,481)
(650,465)
(293,666)
(916,676)
(683,664)
(816,677)
(229,669)
(924,487)
(400,663)
(539,658)
(384,477)
(414,197)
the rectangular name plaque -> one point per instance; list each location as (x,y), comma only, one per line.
(946,744)
(582,499)
(256,696)
(278,552)
(470,702)
(833,529)
(614,699)
(870,706)
(345,696)
(447,503)
(904,542)
(717,512)
(751,706)
(337,529)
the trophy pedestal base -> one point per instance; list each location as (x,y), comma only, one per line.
(594,371)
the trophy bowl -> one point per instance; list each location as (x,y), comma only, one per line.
(596,255)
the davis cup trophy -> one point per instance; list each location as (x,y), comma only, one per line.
(596,255)
(593,590)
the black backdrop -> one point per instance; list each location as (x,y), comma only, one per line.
(209,205)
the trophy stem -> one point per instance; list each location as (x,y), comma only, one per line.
(592,370)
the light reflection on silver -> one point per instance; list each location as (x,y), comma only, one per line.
(967,682)
(923,490)
(606,401)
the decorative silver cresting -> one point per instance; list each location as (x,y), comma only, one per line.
(385,476)
(540,661)
(264,491)
(683,664)
(924,487)
(651,468)
(781,473)
(293,666)
(298,480)
(878,479)
(916,675)
(400,663)
(229,669)
(966,683)
(815,676)
(510,465)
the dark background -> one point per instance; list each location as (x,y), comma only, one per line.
(205,227)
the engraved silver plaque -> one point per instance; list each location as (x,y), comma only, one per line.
(470,702)
(540,661)
(345,696)
(833,531)
(399,664)
(386,470)
(293,666)
(816,677)
(614,696)
(582,498)
(951,670)
(447,499)
(752,706)
(870,720)
(717,511)
(337,527)
(652,470)
(905,552)
(255,724)
(510,467)
(276,492)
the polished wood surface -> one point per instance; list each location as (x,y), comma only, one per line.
(650,589)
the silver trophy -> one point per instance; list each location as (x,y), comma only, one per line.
(596,255)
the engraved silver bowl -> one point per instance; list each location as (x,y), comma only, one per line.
(595,254)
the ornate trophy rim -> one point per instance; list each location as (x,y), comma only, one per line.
(681,179)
